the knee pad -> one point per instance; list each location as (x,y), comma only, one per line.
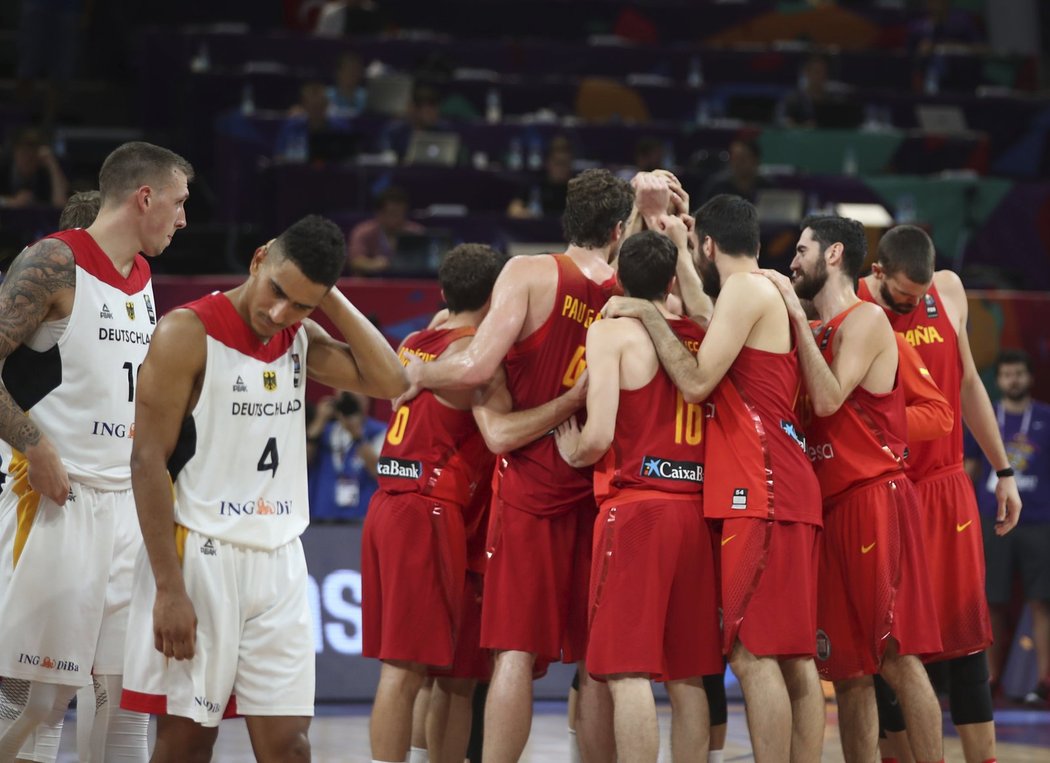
(891,717)
(715,686)
(969,692)
(576,680)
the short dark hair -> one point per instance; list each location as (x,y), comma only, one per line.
(596,202)
(391,195)
(732,223)
(831,229)
(909,250)
(317,247)
(749,143)
(1012,355)
(646,264)
(135,164)
(81,210)
(467,274)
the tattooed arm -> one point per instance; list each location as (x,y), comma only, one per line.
(39,286)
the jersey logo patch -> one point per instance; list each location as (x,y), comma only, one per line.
(959,528)
(931,306)
(867,549)
(823,645)
(825,337)
(149,310)
(739,498)
(269,380)
(396,467)
(655,467)
(789,428)
(131,309)
(239,385)
(297,370)
(105,313)
(208,549)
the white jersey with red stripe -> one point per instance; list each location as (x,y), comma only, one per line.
(76,377)
(239,467)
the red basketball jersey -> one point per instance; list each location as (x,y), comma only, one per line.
(540,367)
(658,444)
(431,448)
(864,439)
(756,459)
(929,330)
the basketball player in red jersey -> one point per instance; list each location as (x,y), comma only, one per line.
(758,479)
(414,556)
(874,598)
(930,309)
(653,607)
(536,585)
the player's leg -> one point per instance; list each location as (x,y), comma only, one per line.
(893,737)
(718,710)
(116,735)
(858,718)
(766,703)
(43,742)
(594,720)
(417,752)
(970,702)
(807,708)
(690,727)
(449,719)
(634,718)
(280,739)
(390,730)
(180,740)
(574,697)
(922,712)
(508,708)
(23,707)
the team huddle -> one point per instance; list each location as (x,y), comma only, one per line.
(640,455)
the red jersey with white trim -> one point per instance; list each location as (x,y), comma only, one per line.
(929,330)
(865,438)
(540,367)
(659,439)
(432,448)
(756,460)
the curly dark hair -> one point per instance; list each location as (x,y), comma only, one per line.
(596,202)
(467,274)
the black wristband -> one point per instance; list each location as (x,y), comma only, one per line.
(1007,472)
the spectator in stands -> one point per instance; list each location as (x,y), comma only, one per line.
(424,114)
(346,98)
(819,101)
(546,197)
(740,176)
(373,243)
(1024,424)
(30,174)
(343,448)
(940,25)
(309,117)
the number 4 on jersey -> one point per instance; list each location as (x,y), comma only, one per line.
(268,460)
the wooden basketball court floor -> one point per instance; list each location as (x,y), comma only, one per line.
(339,734)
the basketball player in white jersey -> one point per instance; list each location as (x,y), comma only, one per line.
(76,316)
(219,619)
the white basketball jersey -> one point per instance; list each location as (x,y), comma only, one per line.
(239,467)
(80,388)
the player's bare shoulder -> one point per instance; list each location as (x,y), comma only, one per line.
(38,286)
(953,294)
(180,336)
